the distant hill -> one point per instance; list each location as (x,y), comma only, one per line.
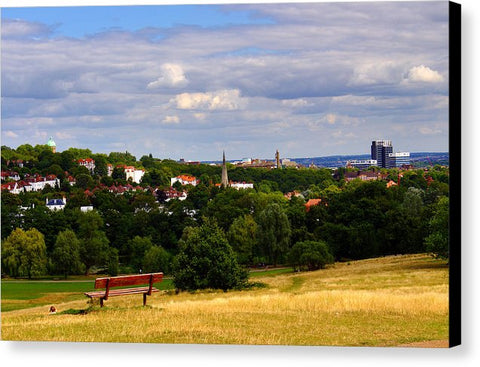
(420,159)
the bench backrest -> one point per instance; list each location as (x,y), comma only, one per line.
(127,280)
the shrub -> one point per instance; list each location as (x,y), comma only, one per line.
(311,255)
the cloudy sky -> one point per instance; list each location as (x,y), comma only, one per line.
(181,81)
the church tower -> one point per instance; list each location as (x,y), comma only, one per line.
(224,172)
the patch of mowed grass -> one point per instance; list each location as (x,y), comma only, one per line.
(377,302)
(25,294)
(269,272)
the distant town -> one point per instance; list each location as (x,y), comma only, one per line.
(381,156)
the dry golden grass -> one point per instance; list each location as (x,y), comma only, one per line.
(381,302)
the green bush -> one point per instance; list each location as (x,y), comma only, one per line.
(310,255)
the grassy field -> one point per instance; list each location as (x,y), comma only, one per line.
(388,301)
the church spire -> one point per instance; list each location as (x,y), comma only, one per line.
(224,172)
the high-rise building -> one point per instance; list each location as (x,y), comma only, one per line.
(277,158)
(380,150)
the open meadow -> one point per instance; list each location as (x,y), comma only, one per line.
(389,301)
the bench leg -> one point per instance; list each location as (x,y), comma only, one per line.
(144,299)
(101,302)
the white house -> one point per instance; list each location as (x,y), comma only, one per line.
(17,187)
(241,185)
(134,174)
(88,163)
(184,180)
(56,204)
(38,182)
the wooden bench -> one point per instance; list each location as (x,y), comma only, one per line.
(125,281)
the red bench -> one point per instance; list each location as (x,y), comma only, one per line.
(125,281)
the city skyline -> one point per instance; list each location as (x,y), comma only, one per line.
(315,79)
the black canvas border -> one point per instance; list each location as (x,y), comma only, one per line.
(455,174)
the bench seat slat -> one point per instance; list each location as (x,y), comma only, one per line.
(120,292)
(126,280)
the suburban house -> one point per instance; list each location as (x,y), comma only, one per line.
(241,185)
(175,194)
(312,202)
(134,174)
(88,163)
(17,187)
(12,175)
(31,183)
(56,204)
(364,176)
(184,180)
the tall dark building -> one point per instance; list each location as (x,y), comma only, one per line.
(380,150)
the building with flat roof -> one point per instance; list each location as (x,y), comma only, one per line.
(380,149)
(361,163)
(398,159)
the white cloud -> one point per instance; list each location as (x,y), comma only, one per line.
(171,120)
(331,118)
(423,73)
(19,28)
(63,135)
(299,102)
(11,134)
(379,72)
(317,67)
(200,116)
(426,130)
(228,99)
(172,76)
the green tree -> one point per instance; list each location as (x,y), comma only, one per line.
(24,253)
(242,238)
(100,165)
(437,241)
(137,247)
(312,255)
(94,244)
(119,173)
(112,261)
(206,260)
(156,259)
(273,232)
(84,181)
(66,253)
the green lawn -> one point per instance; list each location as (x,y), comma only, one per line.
(19,294)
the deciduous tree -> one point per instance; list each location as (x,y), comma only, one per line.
(206,260)
(24,253)
(273,232)
(66,253)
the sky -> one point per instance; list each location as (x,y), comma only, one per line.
(189,81)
